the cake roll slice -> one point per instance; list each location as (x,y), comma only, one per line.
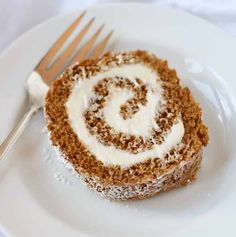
(125,125)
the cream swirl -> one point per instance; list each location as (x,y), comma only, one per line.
(119,115)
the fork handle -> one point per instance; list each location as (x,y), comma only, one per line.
(15,133)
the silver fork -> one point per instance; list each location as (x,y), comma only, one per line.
(46,73)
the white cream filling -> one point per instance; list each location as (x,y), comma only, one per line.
(37,89)
(140,124)
(132,126)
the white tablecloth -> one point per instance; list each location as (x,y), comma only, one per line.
(18,16)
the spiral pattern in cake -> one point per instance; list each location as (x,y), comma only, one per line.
(121,113)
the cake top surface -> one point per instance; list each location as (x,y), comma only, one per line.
(122,111)
(116,114)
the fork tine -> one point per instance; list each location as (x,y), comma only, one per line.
(81,55)
(61,60)
(99,49)
(57,45)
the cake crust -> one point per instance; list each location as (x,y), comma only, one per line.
(143,179)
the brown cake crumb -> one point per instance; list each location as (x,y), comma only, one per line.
(144,179)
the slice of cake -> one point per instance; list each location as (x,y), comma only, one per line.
(126,125)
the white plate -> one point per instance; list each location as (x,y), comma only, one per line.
(38,197)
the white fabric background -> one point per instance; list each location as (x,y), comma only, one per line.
(18,16)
